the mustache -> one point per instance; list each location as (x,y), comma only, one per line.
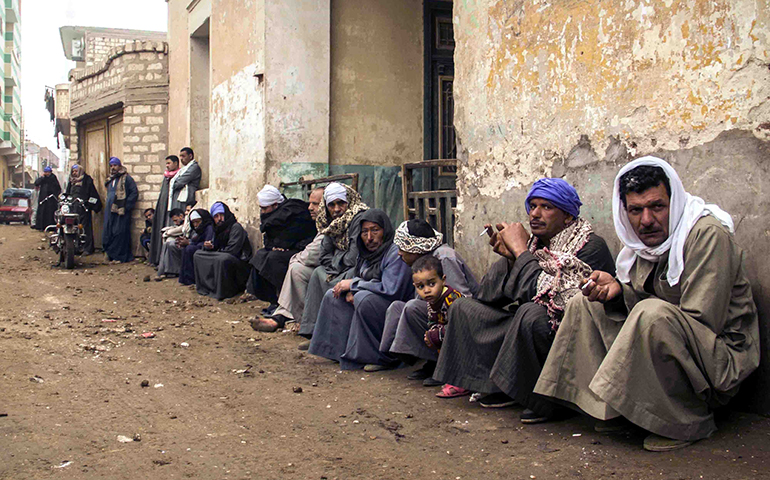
(645,231)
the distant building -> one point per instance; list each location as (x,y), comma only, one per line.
(10,98)
(117,105)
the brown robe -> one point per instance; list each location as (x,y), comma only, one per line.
(665,356)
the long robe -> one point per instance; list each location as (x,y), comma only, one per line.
(159,221)
(87,193)
(406,322)
(46,207)
(116,237)
(335,265)
(223,273)
(187,265)
(491,345)
(286,231)
(351,334)
(291,300)
(662,356)
(189,176)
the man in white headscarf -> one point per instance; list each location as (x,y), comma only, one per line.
(675,333)
(287,229)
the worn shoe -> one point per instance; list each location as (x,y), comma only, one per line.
(496,400)
(615,425)
(530,416)
(373,367)
(656,443)
(424,372)
(304,345)
(431,382)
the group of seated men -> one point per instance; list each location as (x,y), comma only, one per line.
(658,338)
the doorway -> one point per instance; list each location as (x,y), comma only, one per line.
(102,138)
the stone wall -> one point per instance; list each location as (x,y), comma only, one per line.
(98,47)
(133,77)
(576,89)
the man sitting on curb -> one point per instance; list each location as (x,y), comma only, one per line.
(674,335)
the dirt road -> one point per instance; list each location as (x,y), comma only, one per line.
(220,400)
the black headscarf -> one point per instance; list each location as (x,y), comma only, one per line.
(206,220)
(222,231)
(373,268)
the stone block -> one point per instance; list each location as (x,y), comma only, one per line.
(158,147)
(130,158)
(143,187)
(147,56)
(131,120)
(155,66)
(152,196)
(141,129)
(154,178)
(157,169)
(140,148)
(142,169)
(142,109)
(153,159)
(155,129)
(131,139)
(158,109)
(154,120)
(149,138)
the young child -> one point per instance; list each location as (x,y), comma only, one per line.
(430,282)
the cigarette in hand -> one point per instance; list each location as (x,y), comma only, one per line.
(483,231)
(587,284)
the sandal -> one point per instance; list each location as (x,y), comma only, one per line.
(264,324)
(450,391)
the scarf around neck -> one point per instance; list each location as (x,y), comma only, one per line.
(684,211)
(562,269)
(182,196)
(119,204)
(369,264)
(337,228)
(170,173)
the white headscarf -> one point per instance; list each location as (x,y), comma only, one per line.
(194,215)
(684,211)
(334,191)
(269,195)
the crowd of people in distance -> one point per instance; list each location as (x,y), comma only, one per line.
(657,337)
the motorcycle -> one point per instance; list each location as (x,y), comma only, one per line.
(68,237)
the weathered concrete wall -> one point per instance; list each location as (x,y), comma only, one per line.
(237,128)
(179,75)
(577,89)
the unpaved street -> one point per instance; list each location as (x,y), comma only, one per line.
(223,402)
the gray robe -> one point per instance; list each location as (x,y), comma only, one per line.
(662,356)
(406,322)
(291,300)
(190,178)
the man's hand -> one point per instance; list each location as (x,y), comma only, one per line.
(182,242)
(514,236)
(600,287)
(496,242)
(342,287)
(208,245)
(350,298)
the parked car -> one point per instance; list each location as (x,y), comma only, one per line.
(17,206)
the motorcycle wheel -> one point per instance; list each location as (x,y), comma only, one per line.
(69,252)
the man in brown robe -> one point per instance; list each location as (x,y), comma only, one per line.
(675,333)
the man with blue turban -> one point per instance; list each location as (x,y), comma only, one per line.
(497,342)
(122,195)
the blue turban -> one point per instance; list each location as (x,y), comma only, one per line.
(218,207)
(75,167)
(115,161)
(48,169)
(557,191)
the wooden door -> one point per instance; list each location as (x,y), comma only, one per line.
(103,138)
(96,166)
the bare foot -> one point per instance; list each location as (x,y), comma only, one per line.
(262,324)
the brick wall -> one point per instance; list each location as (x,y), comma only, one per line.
(134,75)
(98,47)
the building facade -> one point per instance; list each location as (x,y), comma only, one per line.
(269,91)
(10,99)
(118,101)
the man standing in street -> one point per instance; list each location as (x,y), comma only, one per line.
(162,209)
(81,186)
(121,198)
(185,183)
(48,185)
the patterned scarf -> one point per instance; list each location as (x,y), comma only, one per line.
(119,205)
(562,270)
(337,228)
(414,243)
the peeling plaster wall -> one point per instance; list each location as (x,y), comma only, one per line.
(576,89)
(237,131)
(179,75)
